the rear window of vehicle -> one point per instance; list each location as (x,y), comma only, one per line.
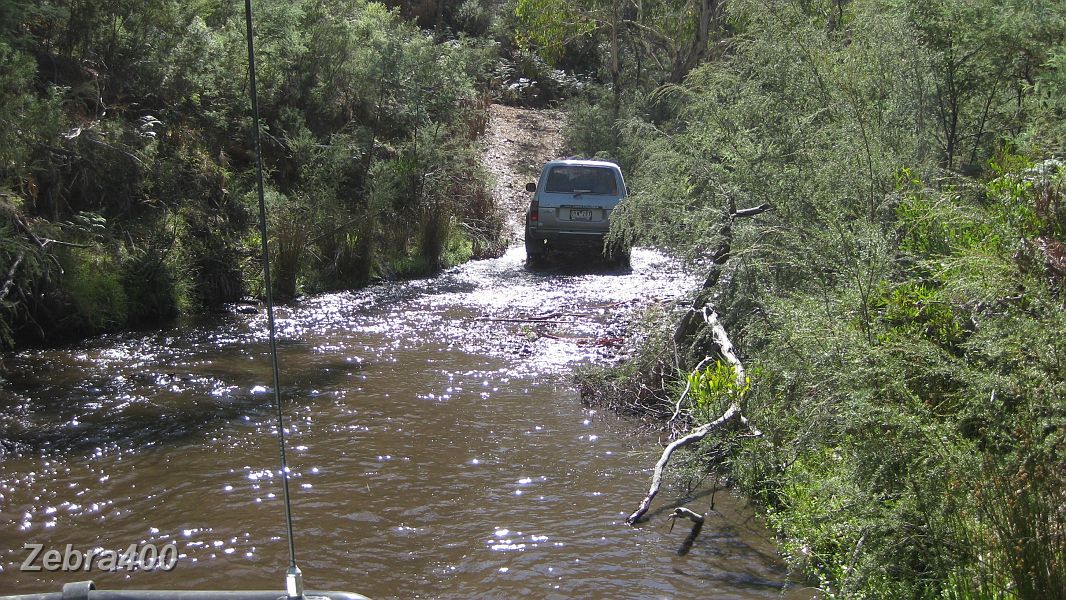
(587,180)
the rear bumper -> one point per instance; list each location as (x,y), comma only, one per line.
(568,240)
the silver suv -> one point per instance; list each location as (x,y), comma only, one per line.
(571,206)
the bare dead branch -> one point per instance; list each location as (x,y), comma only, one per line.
(114,148)
(697,526)
(721,340)
(733,413)
(6,288)
(46,241)
(691,515)
(750,212)
(696,435)
(26,229)
(529,320)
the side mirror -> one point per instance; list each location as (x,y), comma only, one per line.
(531,187)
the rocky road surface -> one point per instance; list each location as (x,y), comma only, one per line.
(517,144)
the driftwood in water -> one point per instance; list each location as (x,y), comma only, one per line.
(552,317)
(697,526)
(529,320)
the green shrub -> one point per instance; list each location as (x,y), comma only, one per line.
(459,249)
(714,389)
(153,291)
(472,17)
(905,318)
(91,286)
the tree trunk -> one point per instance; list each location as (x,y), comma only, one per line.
(616,74)
(708,18)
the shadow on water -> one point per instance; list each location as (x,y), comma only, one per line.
(142,390)
(728,526)
(549,269)
(575,264)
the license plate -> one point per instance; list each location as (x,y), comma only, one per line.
(583,214)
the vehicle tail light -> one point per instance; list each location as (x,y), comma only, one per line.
(534,211)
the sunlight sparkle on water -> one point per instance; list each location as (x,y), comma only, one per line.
(439,344)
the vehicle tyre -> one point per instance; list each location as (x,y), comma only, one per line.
(535,250)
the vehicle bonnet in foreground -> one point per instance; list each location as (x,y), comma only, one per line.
(86,590)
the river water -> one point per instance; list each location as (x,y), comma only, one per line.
(436,445)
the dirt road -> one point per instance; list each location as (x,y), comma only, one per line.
(517,143)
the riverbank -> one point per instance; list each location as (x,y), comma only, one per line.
(905,429)
(513,143)
(874,196)
(128,195)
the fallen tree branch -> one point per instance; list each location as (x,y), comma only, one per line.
(721,340)
(46,241)
(732,413)
(539,330)
(530,320)
(691,515)
(26,229)
(720,347)
(725,348)
(603,342)
(544,318)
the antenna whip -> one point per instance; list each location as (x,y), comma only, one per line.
(293,577)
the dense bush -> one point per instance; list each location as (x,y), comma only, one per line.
(139,114)
(900,306)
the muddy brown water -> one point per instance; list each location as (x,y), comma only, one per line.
(435,452)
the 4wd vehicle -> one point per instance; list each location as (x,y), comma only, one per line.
(571,208)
